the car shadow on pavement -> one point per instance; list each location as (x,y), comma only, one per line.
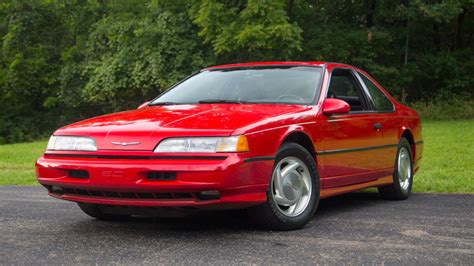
(236,220)
(348,202)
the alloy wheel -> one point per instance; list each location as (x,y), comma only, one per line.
(291,186)
(404,168)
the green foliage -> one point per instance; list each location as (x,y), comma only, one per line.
(257,30)
(29,67)
(130,58)
(62,61)
(447,107)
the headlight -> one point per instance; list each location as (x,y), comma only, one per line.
(204,144)
(70,143)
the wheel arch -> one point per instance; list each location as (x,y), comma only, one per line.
(408,134)
(301,138)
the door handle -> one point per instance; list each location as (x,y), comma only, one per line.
(377,126)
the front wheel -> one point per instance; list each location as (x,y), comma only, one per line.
(402,176)
(293,192)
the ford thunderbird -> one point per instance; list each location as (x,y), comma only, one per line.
(271,137)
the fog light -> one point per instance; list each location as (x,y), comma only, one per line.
(78,174)
(209,195)
(162,176)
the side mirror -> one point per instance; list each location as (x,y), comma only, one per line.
(143,105)
(335,106)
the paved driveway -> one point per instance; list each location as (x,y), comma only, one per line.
(357,228)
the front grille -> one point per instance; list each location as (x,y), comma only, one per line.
(126,195)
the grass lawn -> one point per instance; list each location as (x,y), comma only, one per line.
(447,164)
(17,162)
(448,157)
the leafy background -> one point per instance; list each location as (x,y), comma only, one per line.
(62,61)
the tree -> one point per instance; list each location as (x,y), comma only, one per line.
(31,48)
(247,30)
(62,61)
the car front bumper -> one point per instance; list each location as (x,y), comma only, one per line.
(223,182)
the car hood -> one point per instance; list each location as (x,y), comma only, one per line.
(149,125)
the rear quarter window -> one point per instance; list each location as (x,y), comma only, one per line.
(381,102)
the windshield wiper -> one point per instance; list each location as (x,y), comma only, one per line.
(222,101)
(163,103)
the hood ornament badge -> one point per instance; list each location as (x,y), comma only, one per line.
(125,143)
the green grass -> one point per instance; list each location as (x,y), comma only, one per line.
(447,164)
(448,157)
(17,162)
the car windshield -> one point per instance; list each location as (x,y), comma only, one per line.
(288,84)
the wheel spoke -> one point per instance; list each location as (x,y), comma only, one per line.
(278,181)
(306,185)
(291,209)
(403,172)
(290,167)
(281,200)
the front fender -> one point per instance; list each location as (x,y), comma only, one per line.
(267,142)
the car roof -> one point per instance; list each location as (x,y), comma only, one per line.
(275,63)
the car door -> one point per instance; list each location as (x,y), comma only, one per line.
(389,123)
(349,140)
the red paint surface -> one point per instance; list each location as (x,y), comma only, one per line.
(241,183)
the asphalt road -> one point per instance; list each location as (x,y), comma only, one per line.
(355,228)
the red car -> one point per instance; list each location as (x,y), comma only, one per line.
(273,137)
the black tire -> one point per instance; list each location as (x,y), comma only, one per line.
(94,211)
(395,191)
(268,215)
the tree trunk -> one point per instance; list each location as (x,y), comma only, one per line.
(436,38)
(370,5)
(407,43)
(458,41)
(407,46)
(290,5)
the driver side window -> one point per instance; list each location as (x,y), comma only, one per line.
(343,86)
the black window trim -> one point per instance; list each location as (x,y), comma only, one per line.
(369,96)
(366,101)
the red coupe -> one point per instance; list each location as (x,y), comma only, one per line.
(273,137)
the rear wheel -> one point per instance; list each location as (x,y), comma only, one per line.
(293,192)
(94,211)
(403,175)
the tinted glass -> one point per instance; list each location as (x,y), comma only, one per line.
(381,102)
(297,85)
(344,87)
